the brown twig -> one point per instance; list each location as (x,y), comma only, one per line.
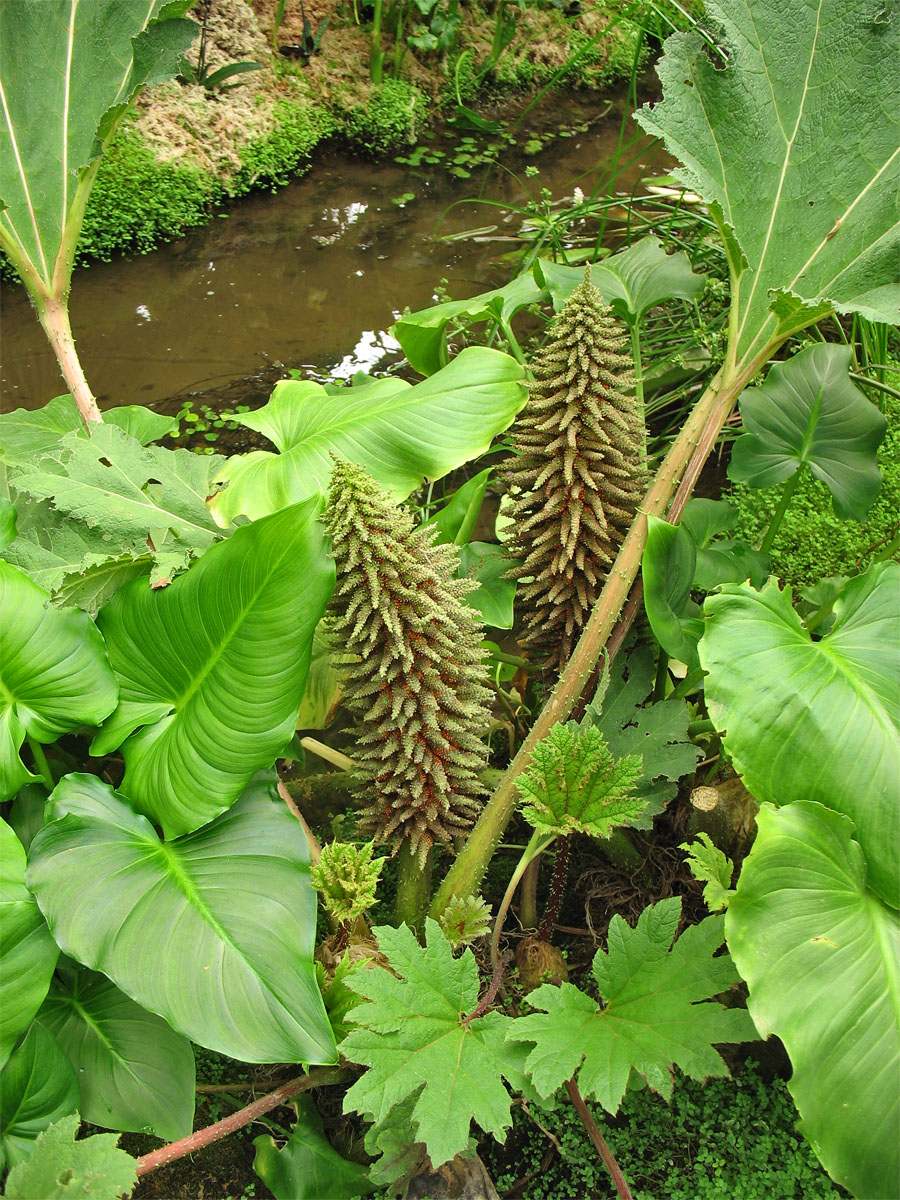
(600,1144)
(214,1133)
(315,848)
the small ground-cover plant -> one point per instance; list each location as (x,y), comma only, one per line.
(177,883)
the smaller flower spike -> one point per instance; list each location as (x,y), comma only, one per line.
(415,685)
(578,475)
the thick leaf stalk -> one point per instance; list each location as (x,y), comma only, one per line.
(578,475)
(415,685)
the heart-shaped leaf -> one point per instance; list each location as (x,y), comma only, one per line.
(213,667)
(213,931)
(814,720)
(821,957)
(54,673)
(809,412)
(37,1086)
(134,1071)
(631,282)
(28,953)
(399,433)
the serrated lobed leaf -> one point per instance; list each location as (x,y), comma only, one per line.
(213,667)
(573,784)
(711,867)
(650,1018)
(413,1038)
(92,1168)
(814,720)
(821,957)
(214,931)
(753,136)
(658,732)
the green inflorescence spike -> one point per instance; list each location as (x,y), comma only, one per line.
(415,685)
(578,474)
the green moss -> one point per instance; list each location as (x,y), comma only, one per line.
(813,541)
(138,202)
(390,118)
(271,161)
(728,1137)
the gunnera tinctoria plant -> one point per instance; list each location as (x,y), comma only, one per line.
(414,687)
(578,474)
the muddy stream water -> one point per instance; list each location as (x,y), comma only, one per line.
(310,277)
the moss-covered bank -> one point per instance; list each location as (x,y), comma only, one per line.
(188,149)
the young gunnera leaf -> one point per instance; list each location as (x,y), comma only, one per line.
(714,869)
(574,785)
(658,732)
(649,1018)
(415,1038)
(61,1168)
(347,878)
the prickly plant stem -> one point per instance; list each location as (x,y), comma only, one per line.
(620,850)
(528,895)
(537,844)
(413,887)
(40,761)
(557,886)
(324,1077)
(684,462)
(600,1144)
(53,313)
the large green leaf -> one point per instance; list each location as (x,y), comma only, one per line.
(28,953)
(814,720)
(134,1072)
(631,282)
(794,141)
(87,61)
(28,433)
(821,957)
(213,667)
(307,1167)
(63,1168)
(213,931)
(37,1086)
(399,433)
(808,411)
(139,497)
(649,1018)
(54,674)
(423,334)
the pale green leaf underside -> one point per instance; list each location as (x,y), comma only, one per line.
(821,956)
(807,720)
(213,667)
(81,57)
(650,1019)
(134,1072)
(400,434)
(213,931)
(412,1038)
(796,139)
